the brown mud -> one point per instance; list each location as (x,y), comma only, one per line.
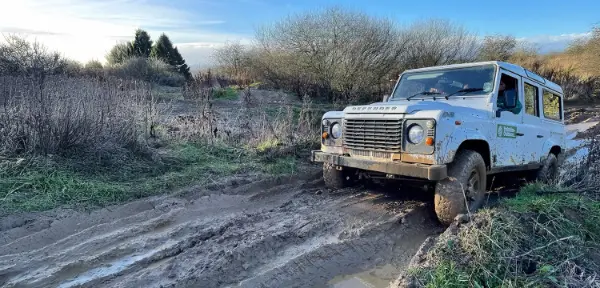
(280,232)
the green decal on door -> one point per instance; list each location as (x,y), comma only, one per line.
(506,131)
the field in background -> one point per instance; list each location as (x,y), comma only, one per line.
(86,141)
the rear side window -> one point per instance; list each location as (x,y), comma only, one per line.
(531,100)
(552,107)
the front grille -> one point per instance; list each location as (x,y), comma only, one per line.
(373,134)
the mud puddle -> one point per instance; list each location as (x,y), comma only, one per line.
(378,277)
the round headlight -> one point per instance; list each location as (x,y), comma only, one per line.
(415,134)
(336,131)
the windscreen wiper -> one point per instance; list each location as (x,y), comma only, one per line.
(466,90)
(424,93)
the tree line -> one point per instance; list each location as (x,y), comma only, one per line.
(343,55)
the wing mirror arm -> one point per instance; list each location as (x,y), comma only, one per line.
(499,112)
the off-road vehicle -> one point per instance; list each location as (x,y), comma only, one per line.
(452,126)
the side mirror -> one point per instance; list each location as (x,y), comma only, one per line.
(510,99)
(385,98)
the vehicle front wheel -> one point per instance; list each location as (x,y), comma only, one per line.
(464,189)
(335,179)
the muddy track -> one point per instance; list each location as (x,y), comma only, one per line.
(282,232)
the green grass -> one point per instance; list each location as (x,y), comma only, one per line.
(43,184)
(267,145)
(447,275)
(228,93)
(539,238)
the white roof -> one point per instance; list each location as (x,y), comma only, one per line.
(505,65)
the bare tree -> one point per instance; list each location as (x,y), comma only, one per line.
(438,42)
(332,52)
(18,56)
(233,59)
(498,47)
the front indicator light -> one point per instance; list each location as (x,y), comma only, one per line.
(429,141)
(325,134)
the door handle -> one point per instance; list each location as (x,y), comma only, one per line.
(520,134)
(540,136)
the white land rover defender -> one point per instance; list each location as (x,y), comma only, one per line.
(452,126)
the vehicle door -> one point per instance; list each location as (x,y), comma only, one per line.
(533,128)
(509,142)
(552,120)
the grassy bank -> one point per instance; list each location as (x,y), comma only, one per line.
(44,183)
(540,238)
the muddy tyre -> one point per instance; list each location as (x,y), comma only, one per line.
(466,181)
(335,179)
(548,173)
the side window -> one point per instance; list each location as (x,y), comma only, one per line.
(531,100)
(508,83)
(552,107)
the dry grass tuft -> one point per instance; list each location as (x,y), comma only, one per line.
(64,115)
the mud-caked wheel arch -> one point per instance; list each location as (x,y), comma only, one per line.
(549,170)
(335,179)
(464,189)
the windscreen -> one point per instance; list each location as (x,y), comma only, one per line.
(475,80)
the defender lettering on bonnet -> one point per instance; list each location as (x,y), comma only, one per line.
(448,127)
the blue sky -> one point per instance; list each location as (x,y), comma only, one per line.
(520,18)
(87,29)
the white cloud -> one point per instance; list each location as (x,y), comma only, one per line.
(554,43)
(87,29)
(200,54)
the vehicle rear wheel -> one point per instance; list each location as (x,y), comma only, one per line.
(335,179)
(548,173)
(464,190)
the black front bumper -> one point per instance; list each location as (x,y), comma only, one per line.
(423,171)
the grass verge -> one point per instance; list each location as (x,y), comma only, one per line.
(228,93)
(540,238)
(45,183)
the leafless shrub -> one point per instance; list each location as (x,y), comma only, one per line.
(201,126)
(497,47)
(146,69)
(234,62)
(66,115)
(329,54)
(438,42)
(21,57)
